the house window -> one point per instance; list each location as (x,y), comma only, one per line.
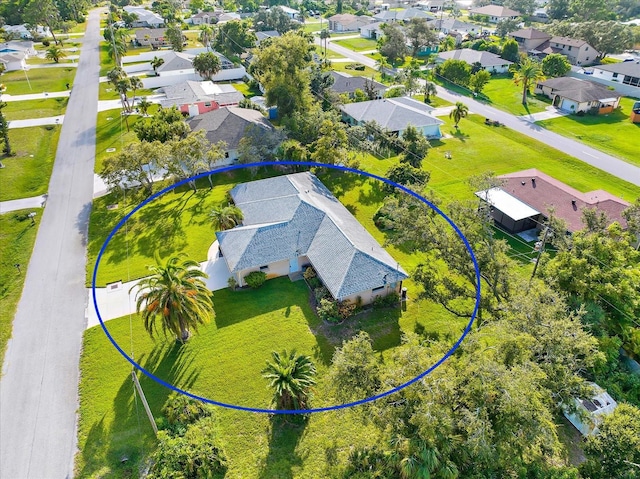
(264,268)
(569,47)
(379,288)
(587,59)
(208,103)
(226,154)
(615,75)
(586,49)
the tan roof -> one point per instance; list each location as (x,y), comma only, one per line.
(494,11)
(541,191)
(530,34)
(573,42)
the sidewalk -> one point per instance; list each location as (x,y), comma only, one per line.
(35,96)
(50,120)
(104,105)
(549,113)
(23,204)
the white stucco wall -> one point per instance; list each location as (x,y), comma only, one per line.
(279,268)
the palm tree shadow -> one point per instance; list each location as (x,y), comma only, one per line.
(459,135)
(286,432)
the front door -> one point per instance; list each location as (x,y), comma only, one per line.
(293,265)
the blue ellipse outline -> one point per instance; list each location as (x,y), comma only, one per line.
(288,411)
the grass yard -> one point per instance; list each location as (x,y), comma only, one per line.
(507,96)
(27,173)
(613,133)
(358,44)
(17,236)
(107,92)
(248,326)
(106,62)
(314,26)
(246,90)
(40,79)
(111,132)
(367,72)
(21,110)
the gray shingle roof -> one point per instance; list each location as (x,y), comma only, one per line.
(193,91)
(393,114)
(579,90)
(345,83)
(625,68)
(296,215)
(530,34)
(452,24)
(176,61)
(487,59)
(228,124)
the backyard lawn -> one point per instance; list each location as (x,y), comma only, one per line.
(21,110)
(358,44)
(39,80)
(367,72)
(17,236)
(504,94)
(27,173)
(612,133)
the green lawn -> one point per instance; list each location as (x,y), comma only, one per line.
(507,96)
(40,79)
(27,173)
(107,92)
(367,72)
(246,90)
(358,44)
(17,236)
(612,133)
(21,110)
(106,62)
(222,362)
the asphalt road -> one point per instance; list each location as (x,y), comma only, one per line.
(603,161)
(39,386)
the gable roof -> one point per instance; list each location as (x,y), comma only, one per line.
(494,11)
(530,34)
(145,15)
(266,34)
(194,91)
(625,68)
(451,24)
(403,15)
(394,114)
(486,59)
(568,41)
(345,83)
(176,61)
(546,192)
(579,90)
(141,33)
(228,124)
(296,215)
(14,46)
(12,57)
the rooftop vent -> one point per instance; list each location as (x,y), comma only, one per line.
(533,181)
(573,202)
(523,183)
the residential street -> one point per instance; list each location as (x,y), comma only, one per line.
(39,386)
(589,155)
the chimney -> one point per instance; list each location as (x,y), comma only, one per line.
(573,202)
(533,182)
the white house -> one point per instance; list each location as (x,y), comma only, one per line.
(23,32)
(18,46)
(575,95)
(146,18)
(292,13)
(372,31)
(590,412)
(627,73)
(13,61)
(394,115)
(496,13)
(488,61)
(346,22)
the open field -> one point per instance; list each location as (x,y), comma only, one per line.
(21,110)
(39,80)
(27,173)
(17,236)
(612,133)
(358,44)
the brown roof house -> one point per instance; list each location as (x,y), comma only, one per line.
(523,201)
(578,52)
(529,38)
(346,22)
(496,13)
(575,95)
(488,61)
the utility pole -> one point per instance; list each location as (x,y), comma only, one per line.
(134,376)
(544,240)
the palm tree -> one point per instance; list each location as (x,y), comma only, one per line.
(226,217)
(122,86)
(382,65)
(135,83)
(143,105)
(55,53)
(291,376)
(206,35)
(447,43)
(324,35)
(156,63)
(177,295)
(429,89)
(528,72)
(459,112)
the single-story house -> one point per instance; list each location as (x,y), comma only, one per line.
(577,51)
(176,63)
(153,37)
(489,61)
(229,17)
(18,46)
(293,221)
(292,13)
(206,18)
(229,124)
(431,5)
(394,115)
(13,61)
(195,98)
(403,15)
(372,31)
(447,25)
(496,13)
(346,22)
(345,83)
(146,18)
(527,196)
(627,73)
(529,38)
(590,412)
(574,95)
(21,31)
(260,36)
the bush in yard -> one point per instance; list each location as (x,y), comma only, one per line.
(255,279)
(328,310)
(346,309)
(180,409)
(314,283)
(309,273)
(232,283)
(386,301)
(46,43)
(320,293)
